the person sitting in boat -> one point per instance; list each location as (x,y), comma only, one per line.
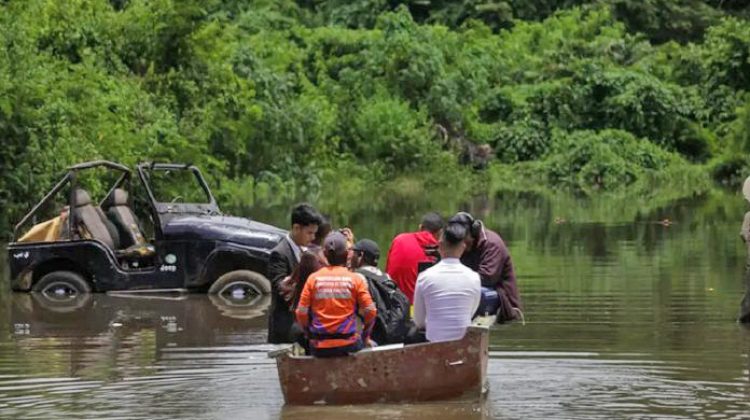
(447,294)
(327,309)
(487,254)
(283,260)
(392,322)
(410,249)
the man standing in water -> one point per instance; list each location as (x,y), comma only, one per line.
(744,316)
(283,260)
(487,254)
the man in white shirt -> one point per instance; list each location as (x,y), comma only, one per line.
(447,294)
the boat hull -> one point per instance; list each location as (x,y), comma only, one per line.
(420,372)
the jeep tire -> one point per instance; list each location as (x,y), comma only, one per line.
(249,281)
(62,284)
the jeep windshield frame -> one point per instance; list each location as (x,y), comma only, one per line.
(163,209)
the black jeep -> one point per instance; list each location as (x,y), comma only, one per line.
(101,246)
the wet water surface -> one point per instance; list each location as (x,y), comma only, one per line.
(625,317)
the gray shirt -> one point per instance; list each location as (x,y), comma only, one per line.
(445,299)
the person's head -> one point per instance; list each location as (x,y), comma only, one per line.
(305,222)
(472,226)
(335,249)
(365,252)
(432,222)
(323,230)
(453,240)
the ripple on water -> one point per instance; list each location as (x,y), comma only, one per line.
(623,321)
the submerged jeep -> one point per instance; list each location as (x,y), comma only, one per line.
(101,246)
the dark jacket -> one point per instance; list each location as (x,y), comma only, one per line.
(491,259)
(281,263)
(393,320)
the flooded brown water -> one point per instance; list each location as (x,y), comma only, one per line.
(626,318)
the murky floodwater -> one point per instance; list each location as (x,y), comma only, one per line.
(626,317)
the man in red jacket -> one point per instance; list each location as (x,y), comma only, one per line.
(408,250)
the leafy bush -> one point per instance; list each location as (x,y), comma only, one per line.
(285,95)
(609,159)
(389,131)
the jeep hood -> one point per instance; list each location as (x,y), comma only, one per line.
(223,228)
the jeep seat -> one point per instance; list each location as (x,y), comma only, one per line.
(122,216)
(91,221)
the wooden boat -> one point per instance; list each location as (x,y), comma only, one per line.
(389,374)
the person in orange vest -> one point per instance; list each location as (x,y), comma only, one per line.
(330,300)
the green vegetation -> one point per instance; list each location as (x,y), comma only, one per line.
(280,98)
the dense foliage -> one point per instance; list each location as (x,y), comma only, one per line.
(272,96)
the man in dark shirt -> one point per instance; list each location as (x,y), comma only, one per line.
(283,260)
(487,254)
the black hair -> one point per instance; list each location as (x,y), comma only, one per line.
(473,226)
(432,222)
(334,259)
(462,218)
(324,228)
(454,234)
(305,215)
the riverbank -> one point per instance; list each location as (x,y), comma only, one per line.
(284,98)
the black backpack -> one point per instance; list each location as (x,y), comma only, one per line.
(393,320)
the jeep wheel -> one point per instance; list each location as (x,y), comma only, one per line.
(240,285)
(62,288)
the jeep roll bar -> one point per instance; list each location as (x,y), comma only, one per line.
(70,178)
(96,163)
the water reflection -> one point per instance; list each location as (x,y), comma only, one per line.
(627,318)
(113,348)
(161,323)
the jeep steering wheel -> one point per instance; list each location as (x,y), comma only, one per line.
(174,200)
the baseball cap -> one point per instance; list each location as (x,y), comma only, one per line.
(335,242)
(369,247)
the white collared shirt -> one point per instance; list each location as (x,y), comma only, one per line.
(445,299)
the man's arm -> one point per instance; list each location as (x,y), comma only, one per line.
(368,310)
(302,313)
(491,262)
(389,260)
(277,268)
(477,292)
(420,312)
